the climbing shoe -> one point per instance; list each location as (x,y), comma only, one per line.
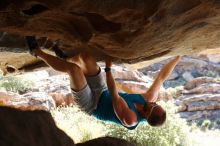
(32,44)
(59,53)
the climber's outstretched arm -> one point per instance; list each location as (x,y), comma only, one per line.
(121,109)
(152,93)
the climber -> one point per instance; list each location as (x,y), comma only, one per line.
(105,102)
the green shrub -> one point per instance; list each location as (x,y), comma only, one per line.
(211,74)
(16,84)
(79,126)
(218,121)
(206,124)
(82,127)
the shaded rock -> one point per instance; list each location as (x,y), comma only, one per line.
(30,128)
(133,31)
(37,128)
(15,42)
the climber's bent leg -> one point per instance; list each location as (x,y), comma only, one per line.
(77,78)
(83,95)
(89,65)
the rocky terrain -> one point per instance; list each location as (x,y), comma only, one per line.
(200,99)
(197,95)
(197,98)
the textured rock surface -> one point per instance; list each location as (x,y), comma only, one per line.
(30,128)
(34,100)
(198,81)
(201,115)
(200,99)
(124,29)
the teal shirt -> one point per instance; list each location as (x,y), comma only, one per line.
(105,111)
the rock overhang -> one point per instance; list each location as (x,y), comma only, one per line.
(127,30)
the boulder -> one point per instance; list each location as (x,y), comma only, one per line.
(201,105)
(200,115)
(190,64)
(198,102)
(30,128)
(62,99)
(204,88)
(153,74)
(187,76)
(123,73)
(198,81)
(37,100)
(37,128)
(57,83)
(200,99)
